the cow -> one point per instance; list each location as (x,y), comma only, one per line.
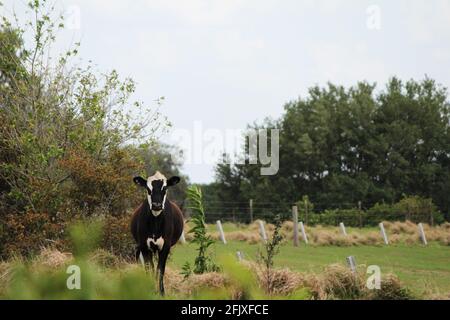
(157,223)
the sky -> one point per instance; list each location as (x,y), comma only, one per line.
(222,65)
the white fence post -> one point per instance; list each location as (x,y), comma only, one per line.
(344,232)
(352,263)
(182,238)
(239,256)
(222,235)
(302,228)
(262,231)
(295,221)
(422,234)
(383,233)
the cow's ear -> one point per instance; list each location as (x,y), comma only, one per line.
(173,181)
(140,181)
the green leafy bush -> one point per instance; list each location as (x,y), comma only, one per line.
(203,262)
(414,208)
(266,256)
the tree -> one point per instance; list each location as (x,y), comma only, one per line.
(64,127)
(340,146)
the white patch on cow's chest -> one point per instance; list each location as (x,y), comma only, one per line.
(159,243)
(156,212)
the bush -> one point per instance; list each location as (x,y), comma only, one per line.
(117,238)
(341,283)
(391,289)
(351,217)
(26,233)
(267,255)
(93,183)
(412,208)
(71,140)
(65,130)
(204,261)
(419,209)
(381,212)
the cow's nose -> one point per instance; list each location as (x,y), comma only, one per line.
(156,204)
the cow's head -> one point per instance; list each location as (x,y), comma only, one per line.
(156,186)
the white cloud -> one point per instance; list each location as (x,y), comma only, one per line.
(326,6)
(345,64)
(198,11)
(427,20)
(232,46)
(157,49)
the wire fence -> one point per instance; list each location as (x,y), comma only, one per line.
(353,215)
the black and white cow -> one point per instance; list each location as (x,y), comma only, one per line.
(158,223)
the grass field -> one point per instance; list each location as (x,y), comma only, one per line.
(420,272)
(422,269)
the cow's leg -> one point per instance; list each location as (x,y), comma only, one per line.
(149,261)
(137,254)
(162,259)
(147,255)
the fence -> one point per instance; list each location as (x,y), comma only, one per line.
(352,215)
(357,217)
(299,226)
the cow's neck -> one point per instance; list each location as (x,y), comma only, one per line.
(155,225)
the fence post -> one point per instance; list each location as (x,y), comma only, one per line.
(182,238)
(222,235)
(422,234)
(239,256)
(383,233)
(360,214)
(344,232)
(262,231)
(302,228)
(431,216)
(352,263)
(306,210)
(251,210)
(295,227)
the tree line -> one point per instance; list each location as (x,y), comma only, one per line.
(341,146)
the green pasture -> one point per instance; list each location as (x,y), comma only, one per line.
(419,268)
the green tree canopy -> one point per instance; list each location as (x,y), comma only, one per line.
(340,146)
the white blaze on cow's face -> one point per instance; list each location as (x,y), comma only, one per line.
(156,187)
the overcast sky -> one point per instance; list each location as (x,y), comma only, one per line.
(228,63)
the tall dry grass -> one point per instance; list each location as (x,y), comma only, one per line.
(333,282)
(398,232)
